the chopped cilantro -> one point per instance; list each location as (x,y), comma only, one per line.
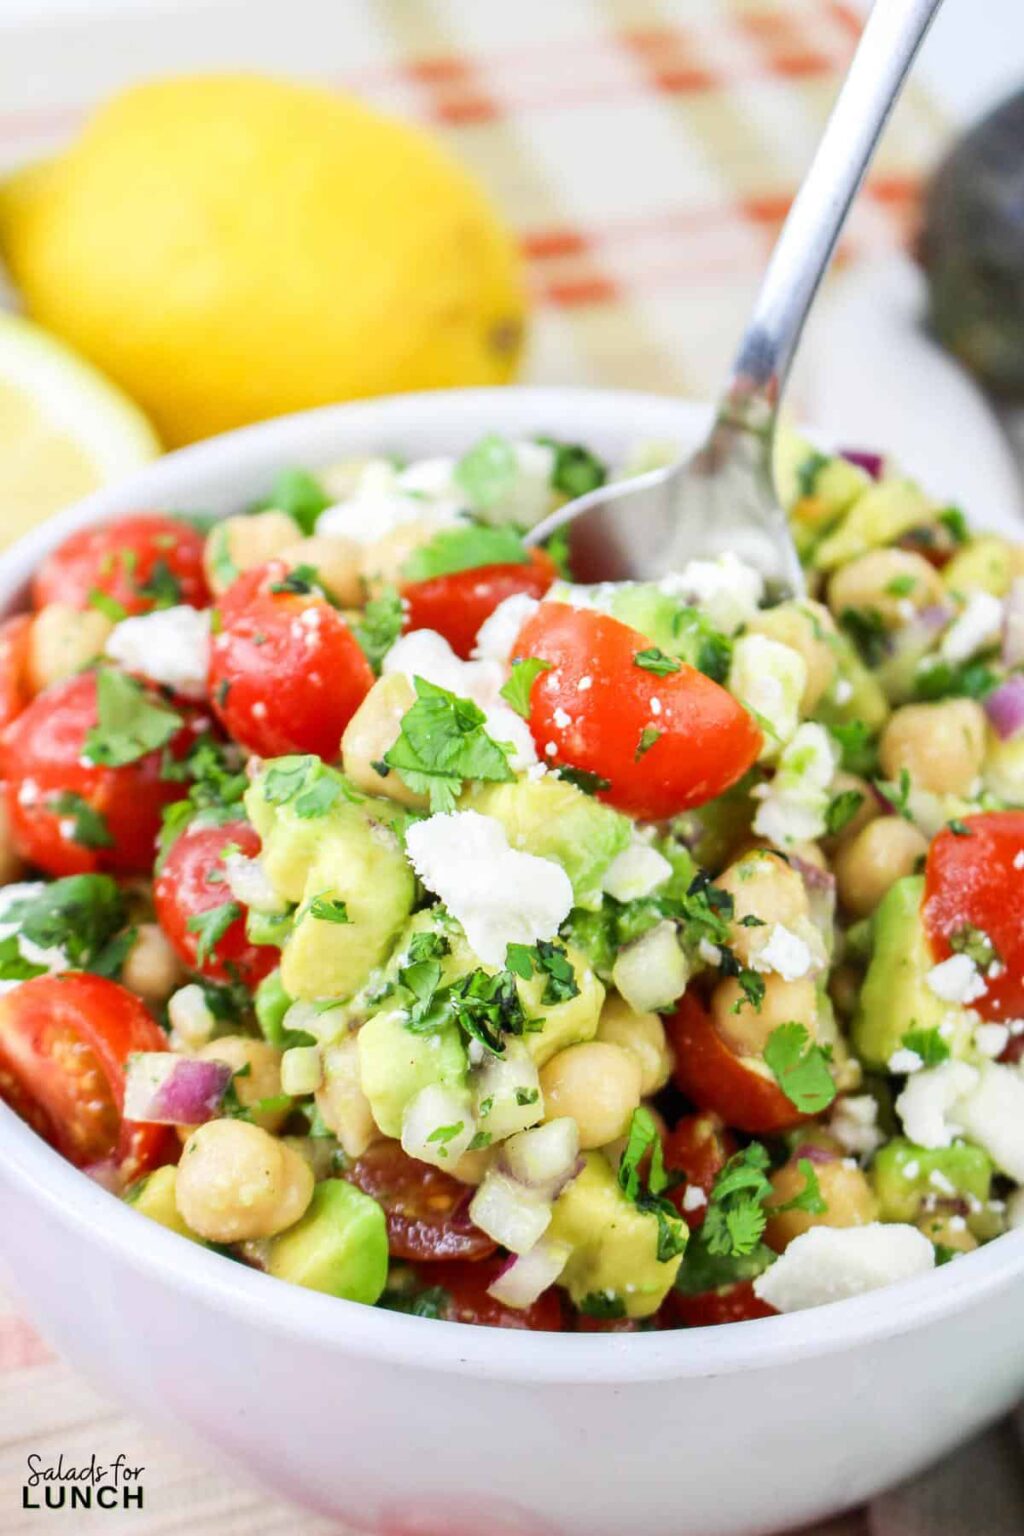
(442,743)
(974,943)
(604,1305)
(938,679)
(443,1134)
(131,722)
(857,746)
(735,1219)
(867,630)
(380,626)
(481,1140)
(434,1302)
(301,581)
(959,828)
(807,472)
(648,1194)
(589,783)
(109,606)
(842,808)
(328,909)
(928,1044)
(298,493)
(648,736)
(901,586)
(810,1198)
(654,660)
(80,914)
(308,785)
(955,524)
(550,960)
(161,587)
(576,471)
(488,472)
(463,549)
(753,988)
(211,926)
(89,826)
(800,1068)
(524,674)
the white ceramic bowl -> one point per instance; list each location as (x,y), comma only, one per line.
(405,1427)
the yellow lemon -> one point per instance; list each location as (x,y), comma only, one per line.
(228,248)
(64,429)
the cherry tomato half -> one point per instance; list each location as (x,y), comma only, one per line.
(426,1209)
(458,604)
(699,1146)
(192,883)
(286,674)
(663,744)
(729,1304)
(976,879)
(466,1285)
(740,1090)
(145,561)
(71,817)
(15,693)
(64,1041)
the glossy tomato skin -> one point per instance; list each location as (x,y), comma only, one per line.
(64,1042)
(729,1304)
(427,1210)
(143,561)
(456,605)
(466,1285)
(190,882)
(977,879)
(41,759)
(698,1146)
(705,742)
(15,693)
(286,672)
(715,1079)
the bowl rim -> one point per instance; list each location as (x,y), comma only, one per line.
(353,1328)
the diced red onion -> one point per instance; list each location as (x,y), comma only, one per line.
(1005,708)
(1013,625)
(163,1089)
(814,878)
(871,463)
(525,1278)
(816,1154)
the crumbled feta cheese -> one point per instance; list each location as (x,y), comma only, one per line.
(727,590)
(500,895)
(248,883)
(956,980)
(854,1124)
(991,1039)
(977,627)
(169,646)
(1018,860)
(769,678)
(831,1263)
(992,1116)
(784,952)
(562,719)
(929,1105)
(424,653)
(500,630)
(912,1169)
(938,1181)
(385,498)
(636,872)
(794,804)
(843,690)
(694,1198)
(904,1061)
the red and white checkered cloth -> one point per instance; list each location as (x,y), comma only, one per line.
(645,151)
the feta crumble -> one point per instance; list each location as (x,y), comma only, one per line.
(500,895)
(794,804)
(636,872)
(956,980)
(977,627)
(929,1104)
(385,498)
(784,952)
(500,630)
(854,1124)
(169,646)
(905,1061)
(831,1263)
(727,590)
(769,679)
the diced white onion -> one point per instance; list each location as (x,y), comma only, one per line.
(530,1275)
(546,1157)
(248,883)
(302,1069)
(438,1125)
(508,1096)
(652,972)
(324,1024)
(191,1021)
(509,1213)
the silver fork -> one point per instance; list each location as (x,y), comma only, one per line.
(723,497)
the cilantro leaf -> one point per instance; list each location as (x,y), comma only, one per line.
(298,493)
(648,1194)
(928,1044)
(211,926)
(937,679)
(589,783)
(109,606)
(463,549)
(866,628)
(602,1304)
(546,959)
(810,1198)
(858,748)
(973,942)
(488,472)
(842,808)
(88,826)
(955,524)
(131,722)
(328,909)
(161,587)
(654,660)
(442,743)
(516,691)
(807,472)
(735,1219)
(308,785)
(443,1134)
(79,914)
(576,470)
(648,736)
(380,626)
(800,1068)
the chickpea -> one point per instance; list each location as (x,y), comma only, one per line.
(808,628)
(597,1085)
(849,1200)
(761,885)
(151,967)
(371,731)
(384,558)
(746,1031)
(942,746)
(62,641)
(949,1229)
(868,810)
(643,1036)
(263,1079)
(471,1166)
(337,562)
(885,581)
(240,543)
(236,1182)
(10,863)
(868,864)
(341,1101)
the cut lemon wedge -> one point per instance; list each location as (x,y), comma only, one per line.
(64,429)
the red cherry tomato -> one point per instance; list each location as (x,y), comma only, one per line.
(15,693)
(145,561)
(458,604)
(743,1093)
(190,883)
(976,880)
(64,1041)
(663,743)
(466,1285)
(287,674)
(68,816)
(426,1209)
(699,1146)
(730,1304)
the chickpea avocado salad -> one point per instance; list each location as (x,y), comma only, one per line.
(386,911)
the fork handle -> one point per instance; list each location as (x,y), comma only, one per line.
(890,40)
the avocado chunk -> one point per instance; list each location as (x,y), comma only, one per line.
(614,1244)
(562,1024)
(346,861)
(154,1196)
(554,820)
(340,1246)
(814,488)
(895,996)
(985,564)
(395,1064)
(902,1175)
(854,692)
(880,516)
